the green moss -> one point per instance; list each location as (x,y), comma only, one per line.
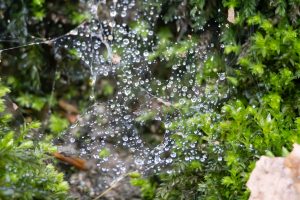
(259,118)
(24,173)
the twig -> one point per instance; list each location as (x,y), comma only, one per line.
(112,186)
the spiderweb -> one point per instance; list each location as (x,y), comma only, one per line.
(112,132)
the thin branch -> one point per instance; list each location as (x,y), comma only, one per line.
(113,185)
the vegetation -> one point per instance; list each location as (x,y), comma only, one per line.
(24,171)
(255,111)
(27,169)
(260,117)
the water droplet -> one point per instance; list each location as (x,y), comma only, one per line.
(146,53)
(123,13)
(125,138)
(139,161)
(173,155)
(126,41)
(113,13)
(127,92)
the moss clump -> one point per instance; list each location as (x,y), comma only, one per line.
(24,172)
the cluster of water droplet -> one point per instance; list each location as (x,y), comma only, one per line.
(110,131)
(110,48)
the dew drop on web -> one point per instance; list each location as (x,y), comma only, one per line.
(130,130)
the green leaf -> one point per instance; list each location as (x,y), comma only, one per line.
(258,69)
(104,153)
(289,35)
(134,175)
(266,25)
(38,2)
(38,103)
(7,141)
(232,49)
(3,90)
(269,154)
(34,125)
(233,80)
(58,124)
(227,181)
(284,152)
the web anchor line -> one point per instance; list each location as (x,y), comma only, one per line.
(46,41)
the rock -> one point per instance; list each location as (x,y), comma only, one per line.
(276,178)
